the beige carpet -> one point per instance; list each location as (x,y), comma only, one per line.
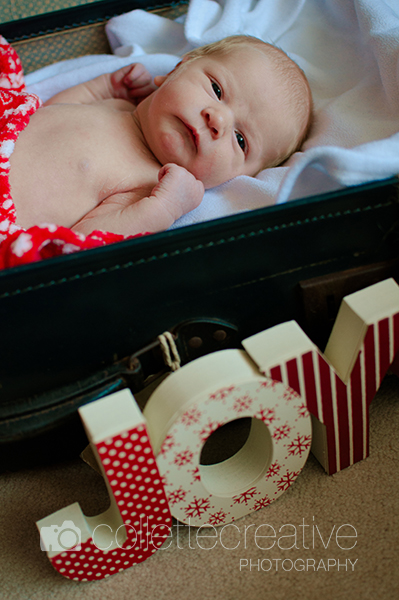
(365,496)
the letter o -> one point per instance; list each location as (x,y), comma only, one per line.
(191,404)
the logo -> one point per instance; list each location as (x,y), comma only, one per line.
(57,538)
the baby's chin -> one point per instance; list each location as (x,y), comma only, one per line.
(209,184)
(212,181)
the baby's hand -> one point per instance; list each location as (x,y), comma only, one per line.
(133,83)
(176,193)
(178,190)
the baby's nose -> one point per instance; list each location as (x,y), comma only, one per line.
(217,121)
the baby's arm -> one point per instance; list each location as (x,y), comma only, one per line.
(132,83)
(176,193)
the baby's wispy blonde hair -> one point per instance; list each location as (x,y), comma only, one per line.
(297,94)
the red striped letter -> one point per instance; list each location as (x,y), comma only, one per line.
(339,385)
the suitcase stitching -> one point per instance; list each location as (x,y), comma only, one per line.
(233,238)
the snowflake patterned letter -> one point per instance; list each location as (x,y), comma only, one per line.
(339,386)
(138,520)
(191,404)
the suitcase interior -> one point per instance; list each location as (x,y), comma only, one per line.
(79,326)
(46,32)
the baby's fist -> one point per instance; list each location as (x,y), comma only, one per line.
(178,190)
(133,83)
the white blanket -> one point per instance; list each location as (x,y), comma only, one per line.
(349,50)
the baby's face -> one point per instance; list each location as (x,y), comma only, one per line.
(218,116)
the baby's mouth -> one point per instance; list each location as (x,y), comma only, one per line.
(194,134)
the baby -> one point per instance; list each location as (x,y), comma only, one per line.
(123,154)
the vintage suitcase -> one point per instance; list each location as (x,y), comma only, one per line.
(77,327)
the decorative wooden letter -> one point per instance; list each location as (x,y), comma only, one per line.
(138,520)
(196,400)
(339,386)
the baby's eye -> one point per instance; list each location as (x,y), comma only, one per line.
(217,90)
(241,141)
